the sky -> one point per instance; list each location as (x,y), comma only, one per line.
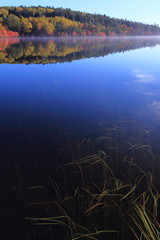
(145,11)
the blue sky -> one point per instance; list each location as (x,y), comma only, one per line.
(146,11)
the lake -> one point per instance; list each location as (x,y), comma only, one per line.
(79,117)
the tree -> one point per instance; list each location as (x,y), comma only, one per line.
(26,25)
(42,25)
(18,11)
(3,12)
(63,22)
(13,23)
(48,28)
(30,12)
(41,11)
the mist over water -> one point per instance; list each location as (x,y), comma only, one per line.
(53,50)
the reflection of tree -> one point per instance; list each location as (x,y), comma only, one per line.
(5,43)
(66,49)
(28,49)
(16,52)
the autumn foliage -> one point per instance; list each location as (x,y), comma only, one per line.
(7,33)
(40,21)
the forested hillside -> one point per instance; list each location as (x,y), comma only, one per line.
(41,21)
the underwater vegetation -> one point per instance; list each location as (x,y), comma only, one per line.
(110,193)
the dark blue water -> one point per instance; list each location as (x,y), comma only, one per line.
(37,100)
(51,104)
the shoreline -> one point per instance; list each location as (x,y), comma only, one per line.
(96,37)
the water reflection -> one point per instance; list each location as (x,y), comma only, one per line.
(53,50)
(144,77)
(53,114)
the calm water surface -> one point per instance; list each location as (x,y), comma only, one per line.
(41,103)
(55,93)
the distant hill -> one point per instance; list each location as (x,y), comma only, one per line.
(42,21)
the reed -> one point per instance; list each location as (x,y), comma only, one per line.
(104,204)
(108,194)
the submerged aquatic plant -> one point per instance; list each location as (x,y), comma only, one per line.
(103,202)
(145,223)
(102,195)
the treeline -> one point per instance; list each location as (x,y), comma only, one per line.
(15,50)
(27,21)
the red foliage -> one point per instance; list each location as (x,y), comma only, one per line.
(7,33)
(5,42)
(84,34)
(112,34)
(82,25)
(102,34)
(74,34)
(12,34)
(89,33)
